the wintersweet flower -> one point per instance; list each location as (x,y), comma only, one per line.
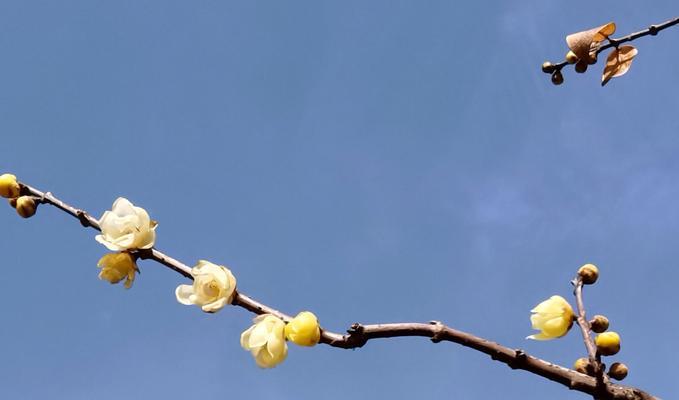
(9,187)
(213,287)
(553,318)
(266,341)
(126,227)
(118,266)
(303,330)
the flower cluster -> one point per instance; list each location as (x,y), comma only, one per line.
(265,340)
(554,317)
(127,229)
(10,188)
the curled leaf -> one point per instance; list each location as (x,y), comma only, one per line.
(618,63)
(584,43)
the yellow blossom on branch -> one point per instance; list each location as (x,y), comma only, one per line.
(213,287)
(303,330)
(553,318)
(265,340)
(126,227)
(118,266)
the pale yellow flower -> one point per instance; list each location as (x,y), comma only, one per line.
(117,266)
(553,318)
(213,287)
(266,341)
(303,330)
(126,227)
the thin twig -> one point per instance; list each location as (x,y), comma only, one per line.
(651,30)
(358,335)
(585,328)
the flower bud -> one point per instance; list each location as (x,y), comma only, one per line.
(608,343)
(599,324)
(303,330)
(9,187)
(571,58)
(557,78)
(547,67)
(589,273)
(581,66)
(26,206)
(618,371)
(583,366)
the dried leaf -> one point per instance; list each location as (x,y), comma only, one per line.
(618,63)
(582,43)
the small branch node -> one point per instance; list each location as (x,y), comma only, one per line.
(82,217)
(355,329)
(438,331)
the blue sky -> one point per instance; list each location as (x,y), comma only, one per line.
(370,161)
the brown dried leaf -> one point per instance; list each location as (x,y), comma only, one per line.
(618,63)
(582,43)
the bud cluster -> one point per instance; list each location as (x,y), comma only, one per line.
(10,189)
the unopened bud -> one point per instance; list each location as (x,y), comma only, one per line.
(581,66)
(618,371)
(589,273)
(26,206)
(608,343)
(547,67)
(9,187)
(599,324)
(557,77)
(571,58)
(583,366)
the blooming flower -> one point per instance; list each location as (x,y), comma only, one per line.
(213,287)
(126,227)
(553,318)
(303,330)
(117,266)
(266,341)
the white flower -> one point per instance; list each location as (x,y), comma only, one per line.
(213,287)
(266,341)
(126,227)
(553,318)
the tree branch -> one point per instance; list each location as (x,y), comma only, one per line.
(358,335)
(651,30)
(615,42)
(585,328)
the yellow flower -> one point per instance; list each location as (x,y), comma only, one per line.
(608,343)
(553,318)
(117,266)
(213,287)
(126,227)
(303,330)
(266,341)
(9,187)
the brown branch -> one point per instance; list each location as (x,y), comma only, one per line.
(594,359)
(651,30)
(358,335)
(615,42)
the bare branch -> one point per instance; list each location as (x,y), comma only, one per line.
(358,335)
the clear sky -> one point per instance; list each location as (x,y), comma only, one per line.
(375,161)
